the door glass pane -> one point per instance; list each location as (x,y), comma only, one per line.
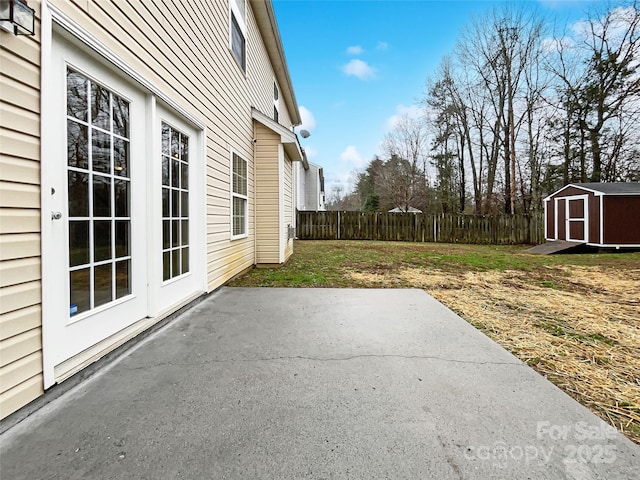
(184,176)
(165,202)
(101,196)
(185,260)
(102,285)
(78,194)
(101,151)
(122,238)
(120,116)
(120,157)
(175,201)
(78,243)
(80,283)
(100,109)
(122,197)
(77,145)
(122,279)
(175,262)
(175,233)
(99,226)
(76,95)
(185,232)
(166,265)
(166,234)
(101,240)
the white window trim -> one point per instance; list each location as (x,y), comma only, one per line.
(233,195)
(234,13)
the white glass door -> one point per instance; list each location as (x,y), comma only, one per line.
(94,254)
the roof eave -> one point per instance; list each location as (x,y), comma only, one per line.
(266,20)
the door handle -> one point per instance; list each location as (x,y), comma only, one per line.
(56,215)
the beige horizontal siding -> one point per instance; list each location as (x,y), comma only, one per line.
(267,195)
(21,370)
(20,395)
(19,220)
(288,208)
(20,264)
(19,321)
(15,169)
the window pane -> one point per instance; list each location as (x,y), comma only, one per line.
(122,238)
(78,194)
(100,115)
(239,216)
(79,285)
(78,243)
(122,197)
(102,284)
(101,151)
(76,95)
(166,234)
(165,139)
(184,176)
(165,202)
(121,157)
(166,265)
(237,43)
(175,262)
(123,287)
(165,170)
(175,144)
(175,233)
(175,199)
(101,196)
(184,204)
(175,173)
(185,232)
(101,240)
(185,260)
(77,145)
(185,148)
(120,117)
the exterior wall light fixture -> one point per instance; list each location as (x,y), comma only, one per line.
(17,17)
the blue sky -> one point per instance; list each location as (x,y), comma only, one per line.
(357,64)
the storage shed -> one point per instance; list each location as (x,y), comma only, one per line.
(596,214)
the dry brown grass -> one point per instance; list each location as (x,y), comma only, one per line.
(577,325)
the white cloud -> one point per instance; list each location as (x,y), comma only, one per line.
(351,156)
(411,111)
(310,151)
(355,50)
(308,120)
(360,69)
(382,46)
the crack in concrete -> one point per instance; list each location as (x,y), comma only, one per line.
(331,359)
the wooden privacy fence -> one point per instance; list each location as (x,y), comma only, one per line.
(421,227)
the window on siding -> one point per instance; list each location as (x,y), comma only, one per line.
(238,43)
(239,197)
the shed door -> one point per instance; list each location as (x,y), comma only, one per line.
(577,218)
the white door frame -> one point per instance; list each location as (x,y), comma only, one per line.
(584,219)
(50,104)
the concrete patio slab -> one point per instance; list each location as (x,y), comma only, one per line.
(318,384)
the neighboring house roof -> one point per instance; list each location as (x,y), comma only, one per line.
(402,210)
(612,188)
(266,20)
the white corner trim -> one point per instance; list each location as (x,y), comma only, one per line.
(92,42)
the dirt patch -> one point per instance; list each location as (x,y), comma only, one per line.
(579,326)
